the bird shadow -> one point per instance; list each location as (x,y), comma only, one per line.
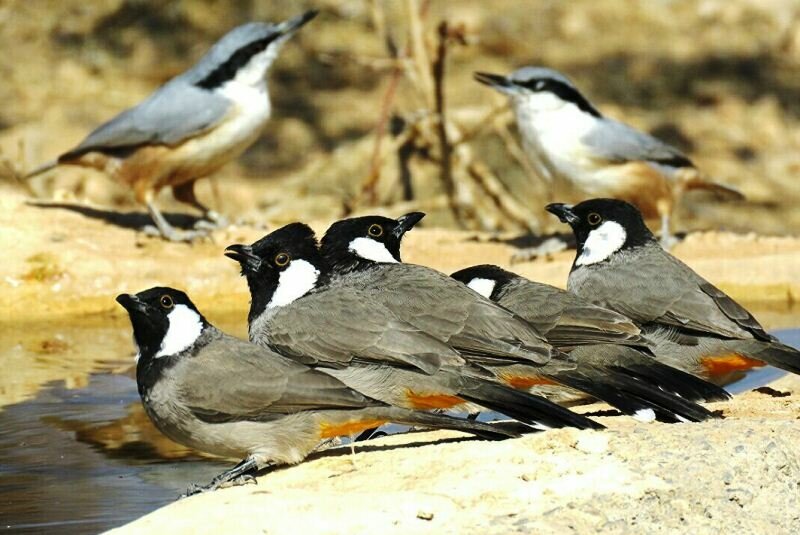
(128,220)
(531,241)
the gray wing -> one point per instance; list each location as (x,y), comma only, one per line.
(564,318)
(336,326)
(173,113)
(617,142)
(655,287)
(247,382)
(453,313)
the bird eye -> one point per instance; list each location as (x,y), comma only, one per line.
(376,231)
(539,85)
(281,259)
(594,219)
(166,302)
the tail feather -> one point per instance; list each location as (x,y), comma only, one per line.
(720,191)
(634,397)
(442,421)
(525,407)
(675,381)
(780,355)
(41,169)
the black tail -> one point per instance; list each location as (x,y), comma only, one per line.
(442,421)
(781,356)
(525,407)
(633,396)
(674,380)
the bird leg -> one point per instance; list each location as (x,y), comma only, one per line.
(167,231)
(240,474)
(667,239)
(185,194)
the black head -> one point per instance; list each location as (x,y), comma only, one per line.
(486,279)
(165,321)
(361,242)
(602,227)
(291,251)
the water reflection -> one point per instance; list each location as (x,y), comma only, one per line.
(81,456)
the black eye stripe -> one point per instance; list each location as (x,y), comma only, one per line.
(560,89)
(228,69)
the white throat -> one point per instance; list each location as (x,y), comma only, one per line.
(185,327)
(602,242)
(370,249)
(294,282)
(541,102)
(557,122)
(485,287)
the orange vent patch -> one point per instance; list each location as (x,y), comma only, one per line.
(523,382)
(426,402)
(722,364)
(347,428)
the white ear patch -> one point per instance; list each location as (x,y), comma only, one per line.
(485,287)
(294,282)
(602,242)
(185,327)
(370,249)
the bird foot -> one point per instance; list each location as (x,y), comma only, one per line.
(212,220)
(175,235)
(244,479)
(196,489)
(546,248)
(668,242)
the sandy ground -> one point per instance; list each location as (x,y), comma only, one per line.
(737,475)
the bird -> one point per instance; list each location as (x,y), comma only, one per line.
(613,359)
(367,257)
(190,126)
(690,323)
(565,137)
(302,310)
(227,397)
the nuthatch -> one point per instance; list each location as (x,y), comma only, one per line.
(192,125)
(566,137)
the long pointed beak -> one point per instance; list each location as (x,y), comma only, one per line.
(131,303)
(406,223)
(244,255)
(292,25)
(495,81)
(563,212)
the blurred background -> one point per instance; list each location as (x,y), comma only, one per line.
(355,94)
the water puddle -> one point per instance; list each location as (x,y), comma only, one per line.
(77,452)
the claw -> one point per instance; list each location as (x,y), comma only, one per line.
(177,236)
(244,479)
(546,248)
